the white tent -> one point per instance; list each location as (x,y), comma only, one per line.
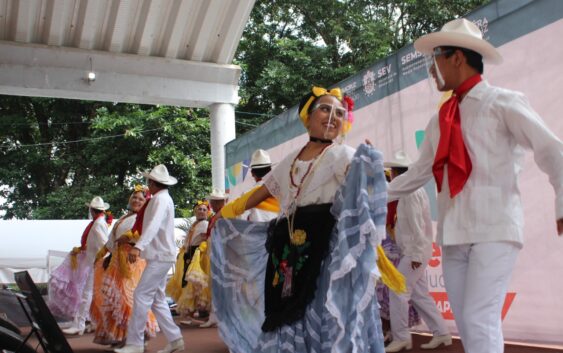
(40,246)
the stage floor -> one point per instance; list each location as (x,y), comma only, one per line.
(207,340)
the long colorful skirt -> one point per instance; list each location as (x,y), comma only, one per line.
(66,285)
(112,304)
(174,285)
(196,295)
(343,316)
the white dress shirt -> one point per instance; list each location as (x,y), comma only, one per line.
(157,241)
(497,124)
(413,232)
(97,238)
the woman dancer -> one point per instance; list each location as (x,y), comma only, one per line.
(70,284)
(116,279)
(317,269)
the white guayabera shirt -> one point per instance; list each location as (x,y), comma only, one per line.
(97,238)
(497,125)
(413,232)
(157,240)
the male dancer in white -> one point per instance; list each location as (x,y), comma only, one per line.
(474,148)
(158,248)
(414,236)
(96,239)
(260,166)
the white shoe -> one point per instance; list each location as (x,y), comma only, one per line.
(174,346)
(397,346)
(436,341)
(129,348)
(73,331)
(209,323)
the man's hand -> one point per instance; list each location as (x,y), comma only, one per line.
(134,253)
(560,226)
(415,265)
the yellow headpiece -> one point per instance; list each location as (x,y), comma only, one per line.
(202,202)
(139,188)
(315,93)
(205,203)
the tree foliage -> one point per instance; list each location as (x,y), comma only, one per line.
(63,152)
(289,45)
(56,154)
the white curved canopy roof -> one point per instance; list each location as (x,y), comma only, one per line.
(176,52)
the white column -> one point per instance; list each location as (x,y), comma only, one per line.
(222,131)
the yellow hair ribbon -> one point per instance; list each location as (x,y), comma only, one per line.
(317,92)
(390,276)
(139,188)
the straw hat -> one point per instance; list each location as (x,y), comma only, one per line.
(459,33)
(399,160)
(217,194)
(160,174)
(260,159)
(98,203)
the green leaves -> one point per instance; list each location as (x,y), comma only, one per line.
(64,152)
(290,45)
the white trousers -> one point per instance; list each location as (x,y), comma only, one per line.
(149,294)
(476,278)
(417,291)
(83,313)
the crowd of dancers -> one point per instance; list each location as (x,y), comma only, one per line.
(292,265)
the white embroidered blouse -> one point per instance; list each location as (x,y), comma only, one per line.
(124,224)
(327,176)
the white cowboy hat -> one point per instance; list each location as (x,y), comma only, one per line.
(260,159)
(459,33)
(98,203)
(160,174)
(217,194)
(400,160)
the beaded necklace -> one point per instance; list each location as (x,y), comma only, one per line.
(304,180)
(292,169)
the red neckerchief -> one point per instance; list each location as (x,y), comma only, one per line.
(211,224)
(451,148)
(138,225)
(84,237)
(392,213)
